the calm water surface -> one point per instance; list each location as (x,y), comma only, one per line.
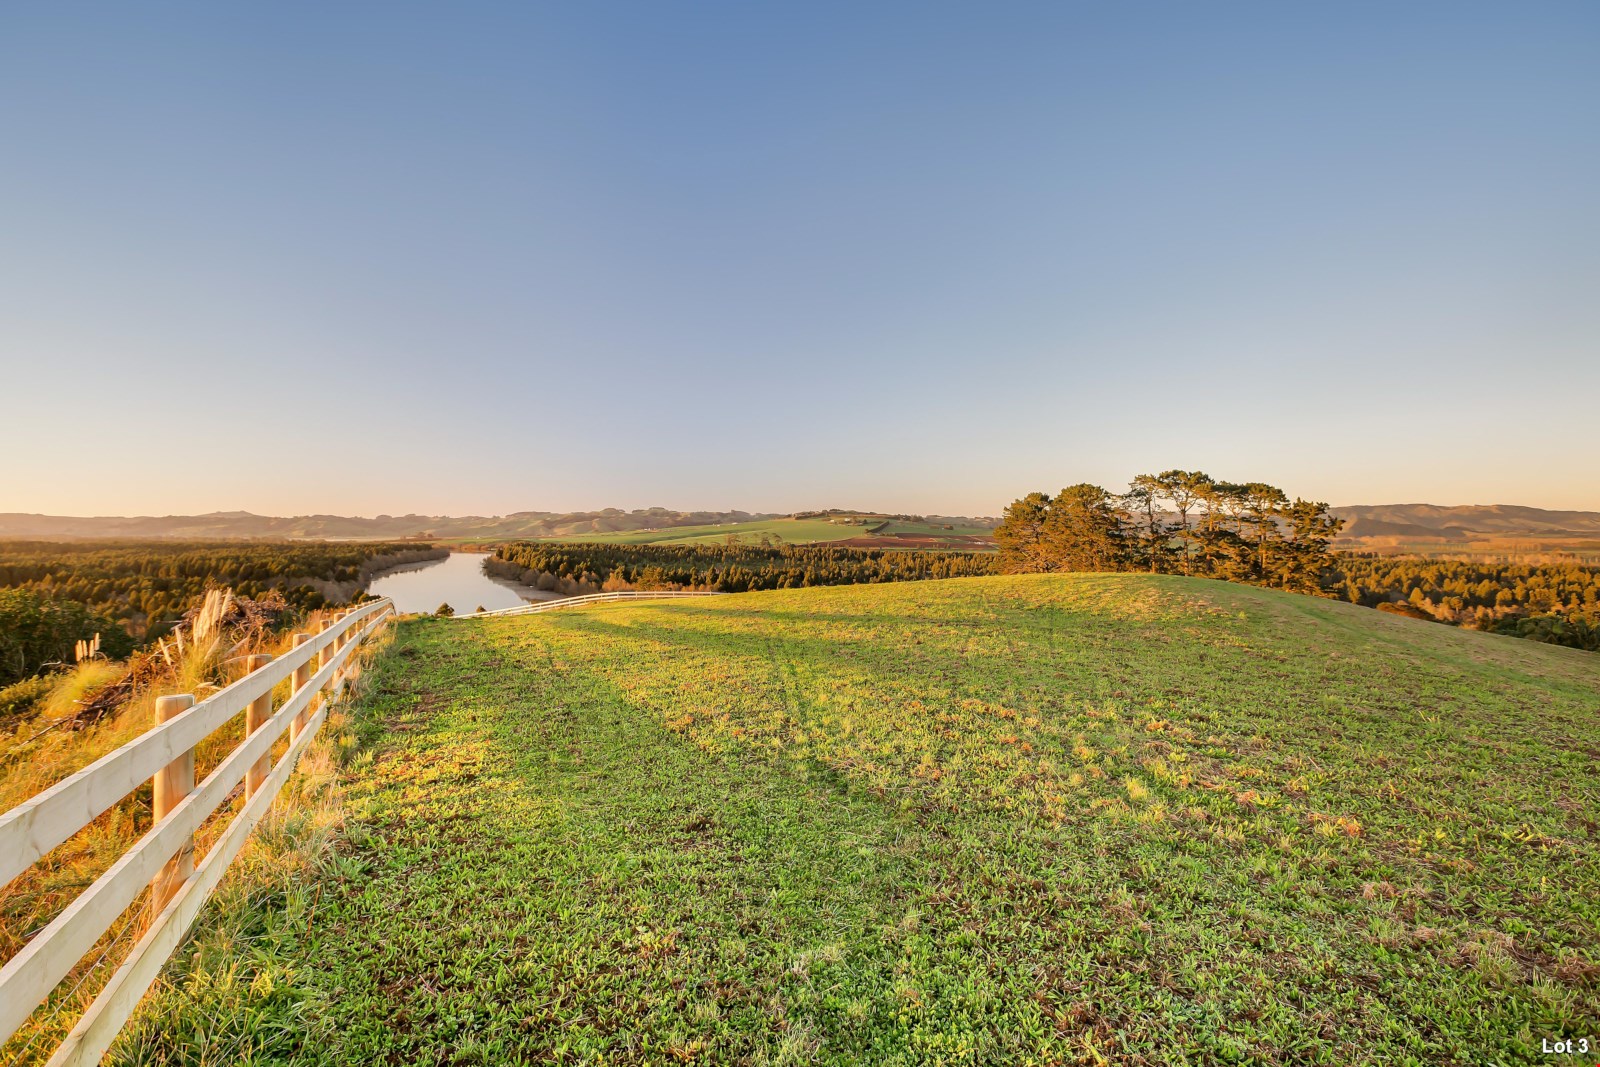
(458,581)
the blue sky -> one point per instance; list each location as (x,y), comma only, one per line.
(921,257)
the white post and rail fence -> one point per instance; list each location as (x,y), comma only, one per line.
(164,858)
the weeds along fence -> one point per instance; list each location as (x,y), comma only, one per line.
(594,598)
(164,858)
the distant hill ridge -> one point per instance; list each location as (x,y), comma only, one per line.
(1431,521)
(230,525)
(244,525)
(1465,522)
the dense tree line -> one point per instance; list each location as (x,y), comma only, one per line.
(590,568)
(1175,522)
(1557,603)
(1459,592)
(145,583)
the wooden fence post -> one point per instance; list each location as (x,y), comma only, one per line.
(330,649)
(302,676)
(169,786)
(345,639)
(255,717)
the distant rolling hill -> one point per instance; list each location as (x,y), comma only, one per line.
(1465,523)
(230,525)
(1388,527)
(638,526)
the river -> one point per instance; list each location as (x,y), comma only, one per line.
(457,580)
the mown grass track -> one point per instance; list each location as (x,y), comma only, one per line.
(1036,820)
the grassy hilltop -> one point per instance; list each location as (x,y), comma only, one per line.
(1046,819)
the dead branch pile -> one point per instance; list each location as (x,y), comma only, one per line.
(243,619)
(222,610)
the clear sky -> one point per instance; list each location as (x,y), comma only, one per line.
(466,258)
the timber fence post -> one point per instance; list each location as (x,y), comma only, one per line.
(345,638)
(331,649)
(255,717)
(302,677)
(169,786)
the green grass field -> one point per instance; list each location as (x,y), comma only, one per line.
(930,529)
(790,531)
(1033,820)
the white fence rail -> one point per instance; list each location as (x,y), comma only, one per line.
(579,601)
(163,858)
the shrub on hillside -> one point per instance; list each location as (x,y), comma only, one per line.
(1572,631)
(20,701)
(1405,608)
(37,630)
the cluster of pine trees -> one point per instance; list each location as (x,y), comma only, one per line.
(1186,522)
(1175,522)
(728,568)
